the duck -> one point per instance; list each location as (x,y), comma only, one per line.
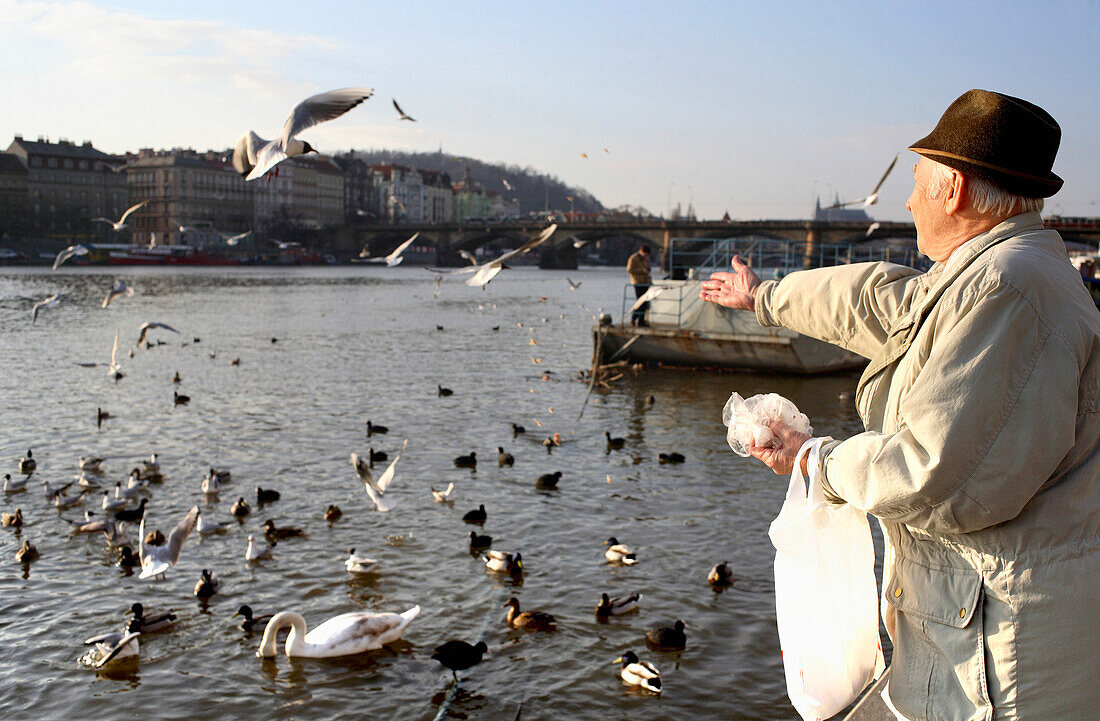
(548,480)
(28,464)
(179,399)
(549,444)
(152,622)
(240,508)
(255,551)
(639,673)
(277,534)
(113,504)
(114,648)
(132,515)
(667,638)
(720,575)
(374,456)
(157,555)
(459,655)
(619,553)
(251,622)
(333,513)
(126,558)
(11,486)
(444,391)
(344,635)
(101,415)
(477,541)
(477,515)
(90,463)
(372,429)
(359,564)
(26,553)
(207,585)
(528,620)
(266,495)
(673,457)
(12,520)
(445,496)
(504,562)
(235,362)
(613,443)
(504,459)
(517,429)
(469,461)
(618,605)
(176,378)
(206,527)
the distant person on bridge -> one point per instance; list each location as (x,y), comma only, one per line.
(637,266)
(981,403)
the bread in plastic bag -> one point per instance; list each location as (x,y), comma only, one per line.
(746,418)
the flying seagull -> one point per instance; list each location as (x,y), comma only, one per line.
(156,560)
(120,289)
(69,253)
(487,271)
(873,197)
(468,256)
(507,184)
(377,488)
(404,115)
(121,221)
(253,156)
(48,303)
(572,285)
(873,227)
(114,369)
(648,296)
(234,239)
(146,327)
(393,258)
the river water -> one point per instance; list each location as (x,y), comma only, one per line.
(365,343)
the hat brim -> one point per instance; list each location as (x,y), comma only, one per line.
(1029,186)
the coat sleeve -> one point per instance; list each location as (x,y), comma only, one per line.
(852,306)
(982,427)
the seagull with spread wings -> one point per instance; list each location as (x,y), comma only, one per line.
(69,252)
(146,327)
(873,197)
(376,489)
(253,156)
(487,271)
(390,260)
(121,222)
(234,239)
(402,113)
(120,289)
(157,559)
(51,302)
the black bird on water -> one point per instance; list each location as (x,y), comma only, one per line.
(469,461)
(266,495)
(444,391)
(673,457)
(251,622)
(132,515)
(372,429)
(517,429)
(477,515)
(477,541)
(100,416)
(613,443)
(180,399)
(548,480)
(459,655)
(664,637)
(505,459)
(377,456)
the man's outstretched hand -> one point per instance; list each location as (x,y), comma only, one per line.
(735,289)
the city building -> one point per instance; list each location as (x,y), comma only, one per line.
(360,200)
(471,201)
(400,193)
(13,196)
(438,197)
(839,215)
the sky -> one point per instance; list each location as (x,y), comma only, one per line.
(754,108)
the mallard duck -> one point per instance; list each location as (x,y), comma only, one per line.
(445,496)
(12,520)
(517,429)
(278,534)
(639,673)
(206,527)
(132,515)
(444,391)
(459,655)
(343,635)
(372,429)
(240,508)
(613,443)
(26,553)
(673,457)
(477,541)
(619,553)
(618,605)
(11,486)
(720,575)
(266,495)
(255,552)
(359,564)
(28,464)
(477,515)
(251,622)
(548,480)
(469,461)
(333,513)
(152,622)
(89,463)
(126,558)
(504,562)
(504,459)
(157,558)
(113,648)
(529,620)
(207,585)
(665,637)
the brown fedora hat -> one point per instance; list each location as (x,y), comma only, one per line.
(1005,140)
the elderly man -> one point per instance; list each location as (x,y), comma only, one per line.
(637,267)
(981,456)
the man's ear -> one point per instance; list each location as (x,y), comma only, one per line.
(955,192)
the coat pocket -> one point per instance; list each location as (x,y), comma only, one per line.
(939,643)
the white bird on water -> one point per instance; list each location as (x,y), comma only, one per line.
(359,564)
(156,560)
(445,496)
(121,222)
(116,647)
(393,258)
(343,635)
(146,327)
(120,289)
(256,552)
(254,156)
(52,302)
(873,197)
(69,252)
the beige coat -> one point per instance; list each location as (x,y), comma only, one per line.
(637,266)
(981,459)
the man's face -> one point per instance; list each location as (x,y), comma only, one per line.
(928,214)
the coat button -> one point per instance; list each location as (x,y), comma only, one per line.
(962,613)
(897,593)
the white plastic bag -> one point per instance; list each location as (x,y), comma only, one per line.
(826,603)
(745,419)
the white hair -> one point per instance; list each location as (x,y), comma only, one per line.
(986,197)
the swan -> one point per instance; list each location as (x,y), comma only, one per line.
(343,635)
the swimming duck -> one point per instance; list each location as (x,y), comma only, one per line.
(277,534)
(673,457)
(618,605)
(152,622)
(11,486)
(665,637)
(459,655)
(240,508)
(613,443)
(504,562)
(90,463)
(477,515)
(28,464)
(266,495)
(619,553)
(157,558)
(126,558)
(469,461)
(205,527)
(720,575)
(548,480)
(372,429)
(207,585)
(376,456)
(176,378)
(359,564)
(517,429)
(113,648)
(445,496)
(504,459)
(179,399)
(477,541)
(132,514)
(529,620)
(333,513)
(12,520)
(343,635)
(251,622)
(445,391)
(639,673)
(235,362)
(255,551)
(100,416)
(26,553)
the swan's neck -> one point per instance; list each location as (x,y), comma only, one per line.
(294,641)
